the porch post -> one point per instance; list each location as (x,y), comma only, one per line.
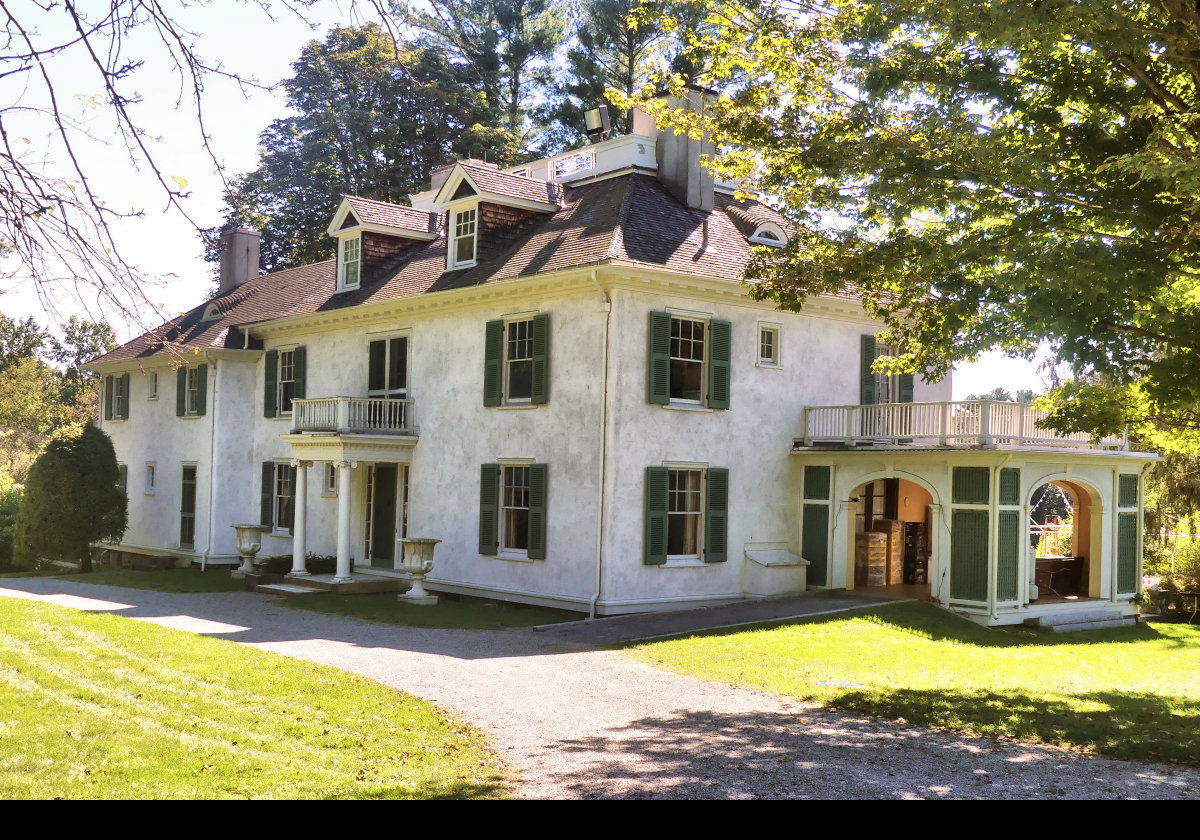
(343,525)
(937,563)
(300,520)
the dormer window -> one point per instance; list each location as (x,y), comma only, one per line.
(769,234)
(350,262)
(462,239)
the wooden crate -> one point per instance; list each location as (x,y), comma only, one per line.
(870,559)
(894,529)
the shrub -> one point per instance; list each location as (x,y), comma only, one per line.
(10,503)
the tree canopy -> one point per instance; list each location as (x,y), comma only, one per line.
(991,178)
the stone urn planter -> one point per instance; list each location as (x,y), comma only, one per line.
(418,562)
(249,541)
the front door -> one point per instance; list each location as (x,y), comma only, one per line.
(383,515)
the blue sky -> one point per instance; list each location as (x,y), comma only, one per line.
(162,243)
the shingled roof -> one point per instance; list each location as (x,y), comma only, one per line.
(630,219)
(494,181)
(371,212)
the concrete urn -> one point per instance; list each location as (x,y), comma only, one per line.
(249,541)
(417,560)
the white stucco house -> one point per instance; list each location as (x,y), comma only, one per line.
(556,370)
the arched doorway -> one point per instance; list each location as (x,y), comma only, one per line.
(892,546)
(1064,542)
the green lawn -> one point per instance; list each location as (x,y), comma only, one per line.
(183,581)
(1129,693)
(98,706)
(467,614)
(33,573)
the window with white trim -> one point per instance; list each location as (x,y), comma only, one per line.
(514,508)
(153,386)
(150,477)
(286,383)
(350,262)
(768,345)
(887,385)
(518,361)
(685,513)
(769,234)
(282,502)
(463,238)
(687,360)
(120,397)
(191,393)
(330,486)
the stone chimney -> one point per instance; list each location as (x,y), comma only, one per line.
(239,257)
(678,155)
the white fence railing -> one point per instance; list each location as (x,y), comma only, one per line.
(370,415)
(981,422)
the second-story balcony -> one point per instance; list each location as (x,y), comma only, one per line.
(964,423)
(355,415)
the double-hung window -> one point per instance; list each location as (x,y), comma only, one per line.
(687,515)
(286,386)
(463,237)
(512,510)
(516,368)
(689,360)
(153,395)
(191,394)
(514,507)
(120,397)
(518,361)
(278,496)
(684,512)
(768,345)
(879,387)
(350,263)
(191,391)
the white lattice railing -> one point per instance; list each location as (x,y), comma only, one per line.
(370,415)
(983,422)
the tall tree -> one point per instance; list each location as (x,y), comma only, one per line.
(20,340)
(989,178)
(373,117)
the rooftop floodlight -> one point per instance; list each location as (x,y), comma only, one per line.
(596,123)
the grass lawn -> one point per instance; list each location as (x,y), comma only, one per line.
(468,614)
(1128,693)
(98,706)
(182,581)
(34,573)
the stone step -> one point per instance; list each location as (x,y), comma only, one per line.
(1072,617)
(1128,621)
(286,589)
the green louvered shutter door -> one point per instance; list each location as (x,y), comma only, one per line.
(1009,534)
(906,387)
(716,516)
(489,508)
(866,389)
(970,485)
(270,383)
(1127,491)
(540,391)
(969,555)
(300,376)
(719,363)
(814,546)
(180,392)
(266,494)
(493,362)
(654,547)
(658,377)
(1010,486)
(201,390)
(125,391)
(108,395)
(537,511)
(1127,542)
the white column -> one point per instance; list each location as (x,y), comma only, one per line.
(300,519)
(343,534)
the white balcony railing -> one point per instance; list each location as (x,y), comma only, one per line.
(969,422)
(361,415)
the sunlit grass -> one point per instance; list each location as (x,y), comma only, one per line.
(1131,692)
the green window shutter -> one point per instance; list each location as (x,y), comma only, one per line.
(201,390)
(816,482)
(906,387)
(719,363)
(493,365)
(1010,486)
(108,397)
(1127,553)
(654,547)
(1009,533)
(1127,491)
(814,545)
(537,511)
(541,360)
(866,390)
(658,379)
(270,383)
(970,486)
(180,391)
(716,516)
(266,514)
(300,364)
(125,391)
(969,555)
(489,509)
(123,471)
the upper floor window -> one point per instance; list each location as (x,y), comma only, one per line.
(191,391)
(878,387)
(153,387)
(150,478)
(768,345)
(689,360)
(191,394)
(349,266)
(518,361)
(286,388)
(463,238)
(769,234)
(516,368)
(387,368)
(120,397)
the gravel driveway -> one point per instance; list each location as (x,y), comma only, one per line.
(581,722)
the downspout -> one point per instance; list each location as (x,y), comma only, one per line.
(1114,510)
(212,466)
(994,530)
(607,308)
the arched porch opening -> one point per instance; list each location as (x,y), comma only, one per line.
(892,547)
(1065,540)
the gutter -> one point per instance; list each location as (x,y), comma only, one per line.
(607,309)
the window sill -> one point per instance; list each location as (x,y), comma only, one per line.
(152,399)
(283,534)
(769,365)
(701,409)
(329,495)
(514,557)
(191,417)
(115,420)
(684,563)
(281,417)
(517,406)
(148,493)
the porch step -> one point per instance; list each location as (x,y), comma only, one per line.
(1107,624)
(286,589)
(360,584)
(1066,622)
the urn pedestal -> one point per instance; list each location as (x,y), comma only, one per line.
(418,562)
(249,541)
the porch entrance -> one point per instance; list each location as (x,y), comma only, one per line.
(892,544)
(1064,566)
(387,513)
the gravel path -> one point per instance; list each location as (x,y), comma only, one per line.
(580,722)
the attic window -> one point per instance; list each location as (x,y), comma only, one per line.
(211,313)
(769,234)
(462,239)
(349,262)
(580,161)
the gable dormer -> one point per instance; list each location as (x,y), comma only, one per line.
(370,233)
(485,206)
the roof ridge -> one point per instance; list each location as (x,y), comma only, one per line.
(617,244)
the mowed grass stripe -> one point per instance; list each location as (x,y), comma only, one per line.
(96,705)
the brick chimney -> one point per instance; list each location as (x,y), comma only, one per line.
(239,257)
(678,155)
